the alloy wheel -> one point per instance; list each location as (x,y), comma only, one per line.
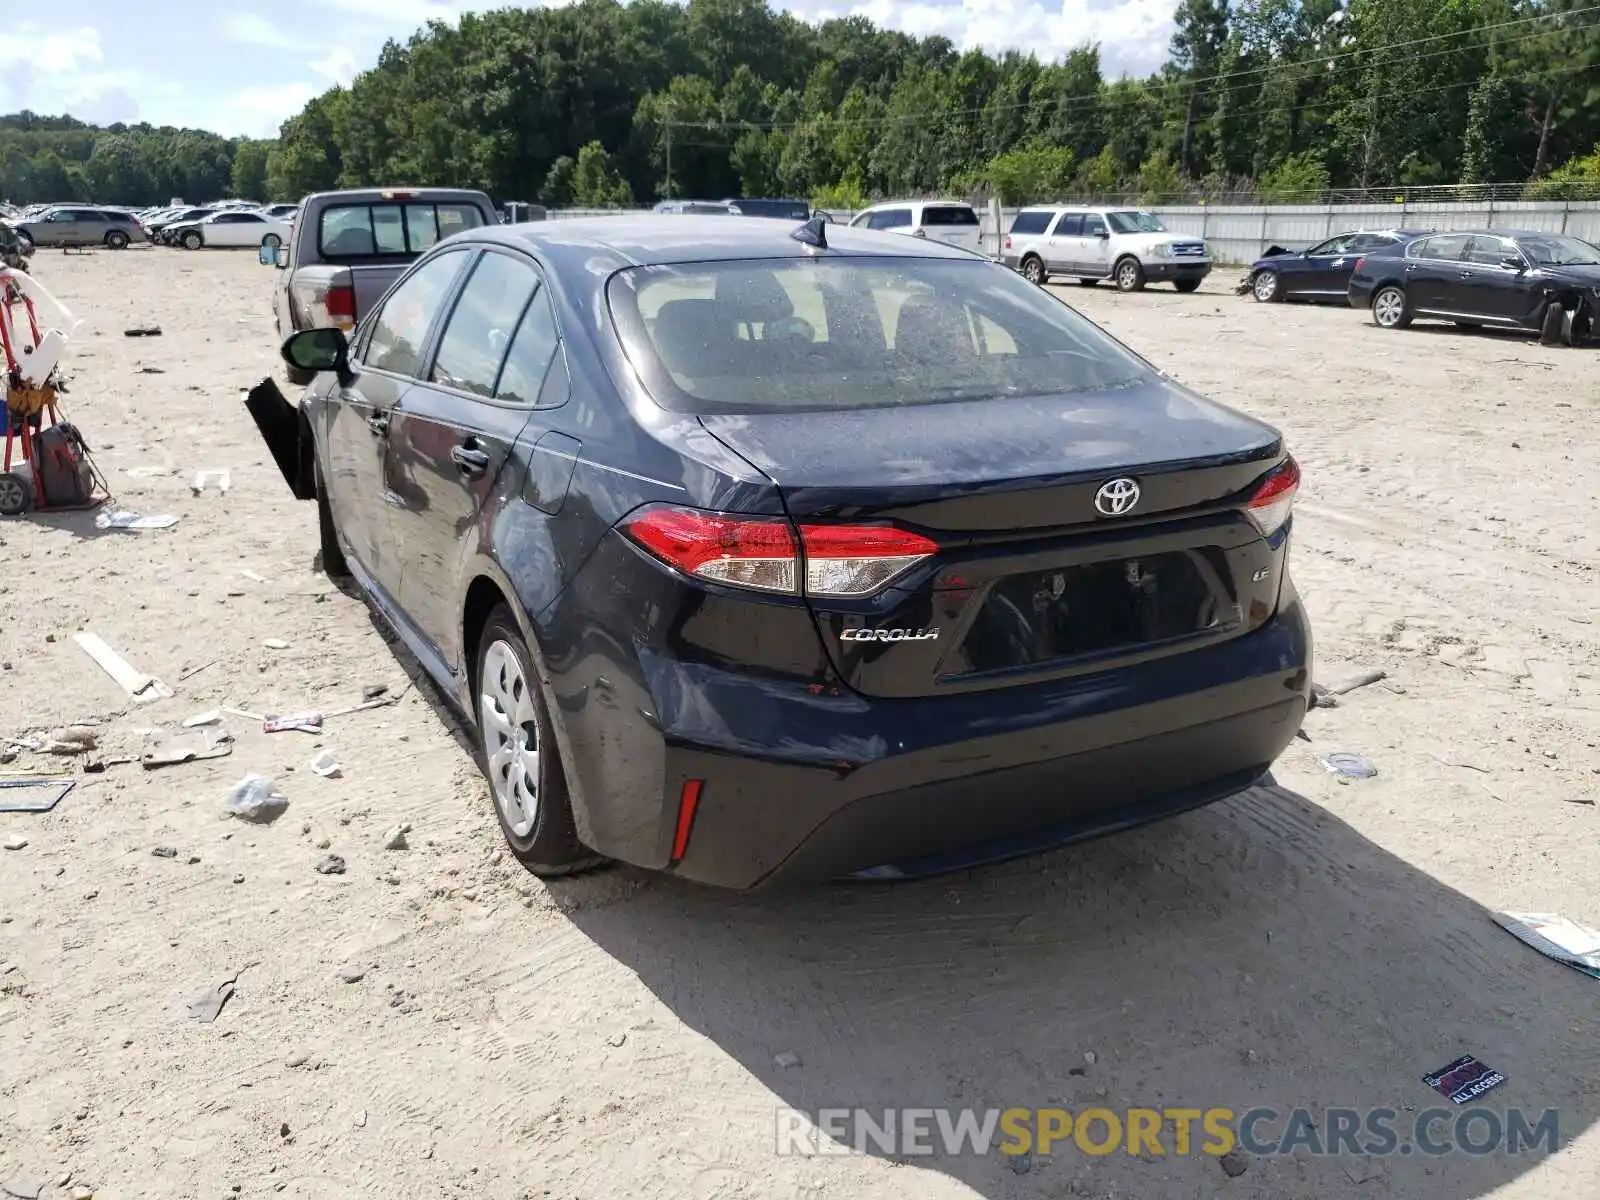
(510,726)
(1388,307)
(1032,272)
(1266,286)
(1127,276)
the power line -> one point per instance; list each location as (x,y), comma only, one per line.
(1081,102)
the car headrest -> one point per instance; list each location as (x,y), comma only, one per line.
(930,330)
(754,297)
(693,337)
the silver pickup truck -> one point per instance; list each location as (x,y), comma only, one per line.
(346,248)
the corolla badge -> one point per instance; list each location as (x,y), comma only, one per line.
(889,635)
(1116,496)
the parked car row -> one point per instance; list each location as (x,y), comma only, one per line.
(1541,282)
(224,224)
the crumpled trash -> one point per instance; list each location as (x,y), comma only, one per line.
(123,519)
(1347,765)
(256,798)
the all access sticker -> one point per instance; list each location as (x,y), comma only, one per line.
(1464,1080)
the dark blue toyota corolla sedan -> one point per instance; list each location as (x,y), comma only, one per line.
(761,552)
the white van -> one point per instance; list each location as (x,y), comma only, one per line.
(954,222)
(1127,245)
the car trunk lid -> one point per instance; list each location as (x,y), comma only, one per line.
(1041,570)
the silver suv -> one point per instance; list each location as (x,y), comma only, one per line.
(1127,245)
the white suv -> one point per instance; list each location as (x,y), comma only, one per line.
(951,221)
(1128,245)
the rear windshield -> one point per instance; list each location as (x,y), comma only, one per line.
(805,334)
(794,210)
(385,229)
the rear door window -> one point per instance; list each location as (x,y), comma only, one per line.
(348,231)
(1031,222)
(533,349)
(949,214)
(1452,247)
(481,324)
(890,218)
(1093,225)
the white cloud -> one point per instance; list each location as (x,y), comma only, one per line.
(252,29)
(408,13)
(29,46)
(258,111)
(341,65)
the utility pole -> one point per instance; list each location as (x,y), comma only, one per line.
(669,160)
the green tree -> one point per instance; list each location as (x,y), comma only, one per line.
(1298,179)
(1030,174)
(557,189)
(248,174)
(596,183)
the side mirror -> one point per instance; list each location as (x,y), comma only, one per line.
(267,256)
(1104,233)
(319,350)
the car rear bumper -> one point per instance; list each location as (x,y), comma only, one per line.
(798,787)
(1165,269)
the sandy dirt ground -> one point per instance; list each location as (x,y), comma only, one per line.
(1313,943)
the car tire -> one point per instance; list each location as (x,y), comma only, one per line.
(1186,285)
(15,494)
(1090,282)
(1033,270)
(1391,307)
(1267,287)
(334,564)
(272,241)
(515,740)
(192,240)
(1555,318)
(117,240)
(1578,328)
(1129,275)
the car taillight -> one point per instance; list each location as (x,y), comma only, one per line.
(763,553)
(1008,241)
(1360,262)
(1273,501)
(341,305)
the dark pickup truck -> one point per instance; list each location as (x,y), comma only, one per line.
(346,248)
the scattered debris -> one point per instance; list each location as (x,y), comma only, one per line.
(276,644)
(75,739)
(1580,799)
(1020,1164)
(306,722)
(1347,765)
(33,795)
(141,687)
(1088,1057)
(218,477)
(164,852)
(786,1059)
(330,864)
(1360,681)
(350,974)
(15,842)
(149,472)
(256,798)
(1556,937)
(239,712)
(298,1059)
(395,838)
(382,702)
(144,331)
(1234,1163)
(253,576)
(207,1006)
(361,1119)
(373,690)
(326,765)
(617,1039)
(151,371)
(212,716)
(164,748)
(96,766)
(1463,1080)
(188,671)
(121,518)
(23,1189)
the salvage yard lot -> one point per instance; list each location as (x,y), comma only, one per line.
(1309,944)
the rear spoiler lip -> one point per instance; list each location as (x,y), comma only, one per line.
(282,428)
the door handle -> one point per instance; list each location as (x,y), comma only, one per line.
(469,461)
(1466,275)
(378,422)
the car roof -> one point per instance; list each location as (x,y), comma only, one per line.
(647,239)
(905,203)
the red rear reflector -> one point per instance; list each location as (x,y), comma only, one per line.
(1273,501)
(763,553)
(688,801)
(1361,262)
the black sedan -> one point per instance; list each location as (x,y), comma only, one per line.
(1507,279)
(1321,273)
(756,552)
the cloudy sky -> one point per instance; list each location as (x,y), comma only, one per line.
(239,67)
